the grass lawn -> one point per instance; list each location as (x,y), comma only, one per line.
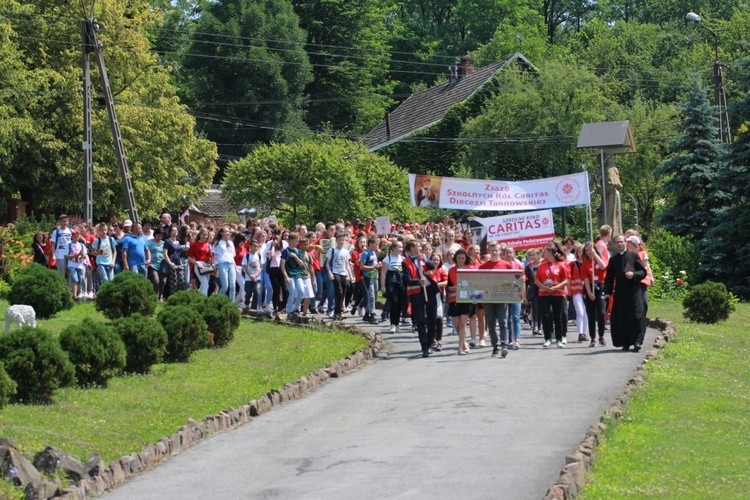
(686,433)
(136,410)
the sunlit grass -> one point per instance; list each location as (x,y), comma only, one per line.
(136,410)
(686,433)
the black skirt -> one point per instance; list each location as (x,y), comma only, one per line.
(455,309)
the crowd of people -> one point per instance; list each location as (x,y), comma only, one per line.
(338,268)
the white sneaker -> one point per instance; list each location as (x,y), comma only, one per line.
(565,340)
(329,314)
(482,343)
(472,343)
(547,343)
(361,311)
(392,329)
(516,345)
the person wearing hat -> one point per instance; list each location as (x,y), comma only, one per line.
(624,274)
(61,238)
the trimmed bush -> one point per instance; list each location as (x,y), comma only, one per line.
(186,332)
(145,342)
(708,303)
(43,289)
(7,387)
(222,318)
(127,294)
(193,299)
(35,361)
(96,351)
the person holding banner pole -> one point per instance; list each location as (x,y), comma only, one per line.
(414,280)
(438,280)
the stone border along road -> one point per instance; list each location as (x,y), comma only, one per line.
(406,427)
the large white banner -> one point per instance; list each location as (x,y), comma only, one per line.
(520,231)
(473,194)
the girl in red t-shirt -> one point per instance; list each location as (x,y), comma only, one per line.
(552,281)
(459,312)
(438,280)
(478,321)
(359,293)
(576,293)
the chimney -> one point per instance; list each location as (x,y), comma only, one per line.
(465,66)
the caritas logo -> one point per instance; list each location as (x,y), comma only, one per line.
(567,190)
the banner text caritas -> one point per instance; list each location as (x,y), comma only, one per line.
(515,225)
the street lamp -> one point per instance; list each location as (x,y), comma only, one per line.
(247,212)
(720,98)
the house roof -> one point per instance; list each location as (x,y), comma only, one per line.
(212,204)
(428,107)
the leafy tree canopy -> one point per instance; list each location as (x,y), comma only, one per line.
(317,180)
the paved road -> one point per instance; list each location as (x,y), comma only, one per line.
(406,427)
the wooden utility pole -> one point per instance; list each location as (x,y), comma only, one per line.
(91,44)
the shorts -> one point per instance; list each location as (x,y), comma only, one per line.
(76,275)
(307,289)
(455,309)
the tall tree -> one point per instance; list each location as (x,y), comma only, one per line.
(692,170)
(245,72)
(348,48)
(315,180)
(728,240)
(168,163)
(652,124)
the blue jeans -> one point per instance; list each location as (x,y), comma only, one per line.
(76,275)
(106,273)
(318,289)
(327,292)
(252,293)
(266,289)
(514,319)
(371,286)
(227,278)
(296,294)
(140,269)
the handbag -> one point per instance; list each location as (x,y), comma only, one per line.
(164,268)
(207,269)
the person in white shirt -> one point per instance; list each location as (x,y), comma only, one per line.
(60,239)
(251,266)
(339,269)
(223,252)
(76,257)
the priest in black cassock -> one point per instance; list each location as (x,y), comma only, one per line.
(624,274)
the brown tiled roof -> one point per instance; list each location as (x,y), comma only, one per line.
(213,205)
(428,107)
